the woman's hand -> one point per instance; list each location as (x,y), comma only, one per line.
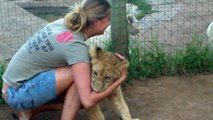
(119,56)
(125,70)
(123,75)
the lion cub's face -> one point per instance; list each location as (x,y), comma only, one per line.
(106,68)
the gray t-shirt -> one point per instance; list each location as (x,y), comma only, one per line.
(53,46)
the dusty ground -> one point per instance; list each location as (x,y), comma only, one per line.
(164,98)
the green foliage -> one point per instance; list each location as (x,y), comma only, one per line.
(144,7)
(195,58)
(150,59)
(135,60)
(2,69)
(108,45)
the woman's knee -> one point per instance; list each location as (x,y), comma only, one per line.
(63,78)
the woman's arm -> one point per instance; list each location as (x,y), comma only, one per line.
(82,77)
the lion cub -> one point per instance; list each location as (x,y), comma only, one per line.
(106,68)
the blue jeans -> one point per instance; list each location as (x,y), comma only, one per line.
(34,92)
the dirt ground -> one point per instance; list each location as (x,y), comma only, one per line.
(163,98)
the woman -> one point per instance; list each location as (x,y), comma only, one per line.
(55,62)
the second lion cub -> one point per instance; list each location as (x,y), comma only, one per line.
(106,68)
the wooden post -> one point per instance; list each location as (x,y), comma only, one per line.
(119,30)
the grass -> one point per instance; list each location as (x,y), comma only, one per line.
(2,69)
(196,58)
(149,61)
(153,61)
(143,6)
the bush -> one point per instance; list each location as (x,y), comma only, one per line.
(2,69)
(151,60)
(195,58)
(143,6)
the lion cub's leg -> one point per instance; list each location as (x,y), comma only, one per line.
(119,104)
(95,113)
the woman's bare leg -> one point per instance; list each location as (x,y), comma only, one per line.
(72,101)
(28,114)
(69,108)
(50,106)
(72,104)
(64,83)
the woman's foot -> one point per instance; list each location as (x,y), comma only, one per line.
(24,115)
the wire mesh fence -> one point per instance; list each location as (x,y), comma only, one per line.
(175,22)
(172,22)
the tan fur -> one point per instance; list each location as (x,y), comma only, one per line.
(106,68)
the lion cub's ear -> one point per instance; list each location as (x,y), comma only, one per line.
(95,51)
(123,64)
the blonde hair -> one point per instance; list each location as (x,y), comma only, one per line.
(89,10)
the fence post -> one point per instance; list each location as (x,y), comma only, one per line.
(119,30)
